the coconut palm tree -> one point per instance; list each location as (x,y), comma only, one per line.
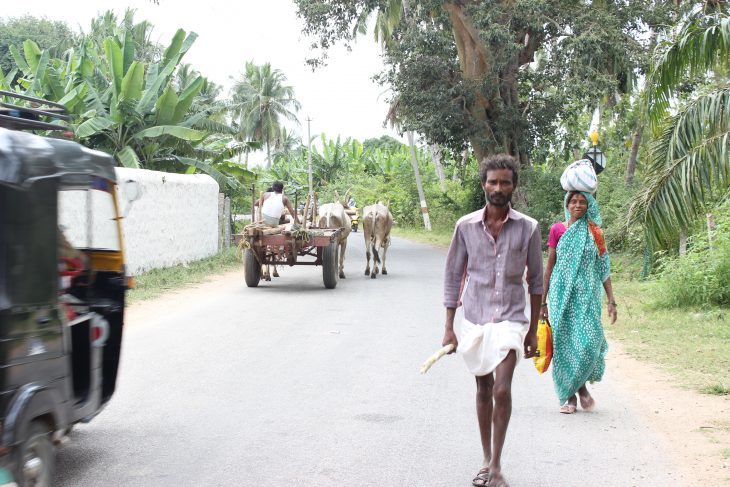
(261,102)
(690,158)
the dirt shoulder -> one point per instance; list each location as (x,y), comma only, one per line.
(696,426)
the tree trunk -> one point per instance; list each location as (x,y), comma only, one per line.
(436,157)
(682,243)
(477,64)
(419,184)
(631,166)
(268,156)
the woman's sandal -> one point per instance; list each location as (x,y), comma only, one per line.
(568,408)
(482,478)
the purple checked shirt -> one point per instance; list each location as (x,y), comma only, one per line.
(489,275)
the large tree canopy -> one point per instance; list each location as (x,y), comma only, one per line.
(503,75)
(48,34)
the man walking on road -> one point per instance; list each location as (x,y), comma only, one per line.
(484,291)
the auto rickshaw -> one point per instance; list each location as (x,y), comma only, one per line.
(62,288)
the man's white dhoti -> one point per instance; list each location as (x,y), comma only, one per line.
(484,347)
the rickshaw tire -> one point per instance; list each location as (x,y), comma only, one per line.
(252,268)
(38,442)
(329,265)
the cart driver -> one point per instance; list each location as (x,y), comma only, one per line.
(273,204)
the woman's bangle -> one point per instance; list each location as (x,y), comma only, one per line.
(612,302)
(543,305)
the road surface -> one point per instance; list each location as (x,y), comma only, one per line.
(291,384)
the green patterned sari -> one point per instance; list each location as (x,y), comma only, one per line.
(576,287)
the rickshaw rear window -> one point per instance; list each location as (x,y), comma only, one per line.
(87,216)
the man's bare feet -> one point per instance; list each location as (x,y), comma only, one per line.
(496,479)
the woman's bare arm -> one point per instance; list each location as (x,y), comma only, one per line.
(552,257)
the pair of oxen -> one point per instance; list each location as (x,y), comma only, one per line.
(377,222)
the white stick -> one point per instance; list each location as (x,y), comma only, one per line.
(433,358)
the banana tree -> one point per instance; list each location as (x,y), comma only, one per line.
(130,110)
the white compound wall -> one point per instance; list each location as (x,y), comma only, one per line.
(174,220)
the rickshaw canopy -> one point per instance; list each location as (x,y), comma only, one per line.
(26,158)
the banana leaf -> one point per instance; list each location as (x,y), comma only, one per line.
(176,131)
(127,51)
(173,50)
(40,74)
(115,61)
(133,82)
(165,106)
(32,54)
(20,61)
(93,126)
(186,99)
(219,177)
(128,158)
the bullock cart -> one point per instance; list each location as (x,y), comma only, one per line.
(264,246)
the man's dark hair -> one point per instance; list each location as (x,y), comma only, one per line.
(498,161)
(269,189)
(278,187)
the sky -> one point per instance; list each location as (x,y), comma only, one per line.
(341,99)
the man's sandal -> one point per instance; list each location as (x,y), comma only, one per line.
(482,478)
(568,408)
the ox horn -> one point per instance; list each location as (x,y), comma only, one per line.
(337,197)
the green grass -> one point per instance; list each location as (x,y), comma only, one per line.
(716,389)
(692,344)
(158,281)
(439,236)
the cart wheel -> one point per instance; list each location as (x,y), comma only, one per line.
(252,268)
(329,265)
(36,457)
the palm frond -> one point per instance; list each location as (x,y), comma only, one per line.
(700,45)
(688,163)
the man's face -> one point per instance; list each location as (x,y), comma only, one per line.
(499,187)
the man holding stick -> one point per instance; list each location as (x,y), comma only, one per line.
(484,291)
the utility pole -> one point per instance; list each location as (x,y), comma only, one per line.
(419,185)
(309,154)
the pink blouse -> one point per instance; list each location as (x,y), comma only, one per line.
(556,231)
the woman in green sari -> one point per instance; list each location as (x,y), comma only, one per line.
(578,267)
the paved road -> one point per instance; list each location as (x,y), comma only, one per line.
(290,384)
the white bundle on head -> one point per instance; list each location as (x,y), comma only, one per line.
(580,176)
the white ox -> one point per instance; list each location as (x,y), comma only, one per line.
(376,224)
(332,215)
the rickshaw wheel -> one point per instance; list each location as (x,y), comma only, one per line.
(329,265)
(36,457)
(252,268)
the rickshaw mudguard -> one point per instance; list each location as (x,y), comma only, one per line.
(32,401)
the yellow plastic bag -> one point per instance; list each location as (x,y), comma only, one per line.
(544,346)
